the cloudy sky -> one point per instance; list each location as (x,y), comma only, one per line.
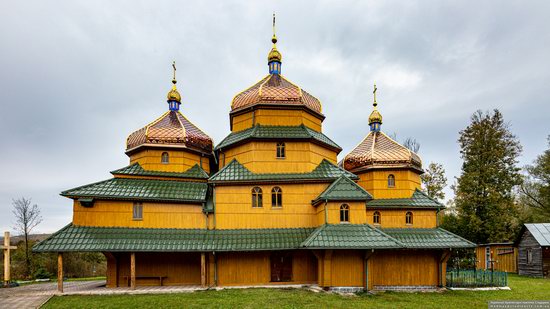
(77,77)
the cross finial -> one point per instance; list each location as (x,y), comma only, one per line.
(174,66)
(274,38)
(374,93)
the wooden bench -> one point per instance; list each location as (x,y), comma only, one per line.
(160,278)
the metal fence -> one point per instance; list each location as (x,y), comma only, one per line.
(476,278)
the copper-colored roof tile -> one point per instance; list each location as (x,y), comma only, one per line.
(172,128)
(378,150)
(275,89)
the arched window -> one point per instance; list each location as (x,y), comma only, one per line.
(376,217)
(257,197)
(391,181)
(164,158)
(409,218)
(276,197)
(281,150)
(344,213)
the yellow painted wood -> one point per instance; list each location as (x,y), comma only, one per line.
(234,207)
(275,117)
(376,183)
(347,268)
(422,218)
(357,213)
(260,157)
(161,178)
(60,275)
(254,268)
(502,262)
(155,215)
(404,268)
(179,268)
(179,160)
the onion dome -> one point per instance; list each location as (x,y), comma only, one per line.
(378,150)
(275,90)
(171,129)
(375,118)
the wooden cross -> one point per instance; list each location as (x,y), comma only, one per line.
(7,247)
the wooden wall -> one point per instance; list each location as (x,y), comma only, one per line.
(275,117)
(505,257)
(179,160)
(376,183)
(357,214)
(234,207)
(404,268)
(260,157)
(155,215)
(254,268)
(422,218)
(179,268)
(534,269)
(347,268)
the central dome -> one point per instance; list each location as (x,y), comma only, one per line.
(275,90)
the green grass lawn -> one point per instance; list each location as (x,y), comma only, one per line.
(522,289)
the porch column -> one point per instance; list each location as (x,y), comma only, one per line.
(443,267)
(133,271)
(203,269)
(368,255)
(319,256)
(60,272)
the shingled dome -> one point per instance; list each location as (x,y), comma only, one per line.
(378,150)
(275,90)
(173,129)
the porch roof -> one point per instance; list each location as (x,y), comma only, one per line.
(428,238)
(350,236)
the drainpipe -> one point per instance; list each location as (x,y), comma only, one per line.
(215,268)
(326,214)
(214,205)
(437,217)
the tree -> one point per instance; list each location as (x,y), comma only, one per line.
(412,144)
(27,217)
(434,181)
(535,190)
(484,190)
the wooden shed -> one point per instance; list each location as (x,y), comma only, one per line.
(534,250)
(501,256)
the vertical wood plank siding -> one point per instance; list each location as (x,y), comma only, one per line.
(534,269)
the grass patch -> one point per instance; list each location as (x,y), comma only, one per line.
(86,279)
(523,288)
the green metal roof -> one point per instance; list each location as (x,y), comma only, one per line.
(332,236)
(419,199)
(236,172)
(113,239)
(135,169)
(435,238)
(350,236)
(300,132)
(343,189)
(142,189)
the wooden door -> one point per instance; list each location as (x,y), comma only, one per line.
(281,267)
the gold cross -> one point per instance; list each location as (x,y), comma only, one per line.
(174,66)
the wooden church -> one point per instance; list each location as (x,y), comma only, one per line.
(268,205)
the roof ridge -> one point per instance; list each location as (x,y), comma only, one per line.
(63,193)
(313,235)
(416,190)
(381,232)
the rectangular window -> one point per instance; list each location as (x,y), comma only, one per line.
(138,211)
(281,151)
(529,256)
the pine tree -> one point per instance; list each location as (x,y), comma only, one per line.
(434,181)
(484,196)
